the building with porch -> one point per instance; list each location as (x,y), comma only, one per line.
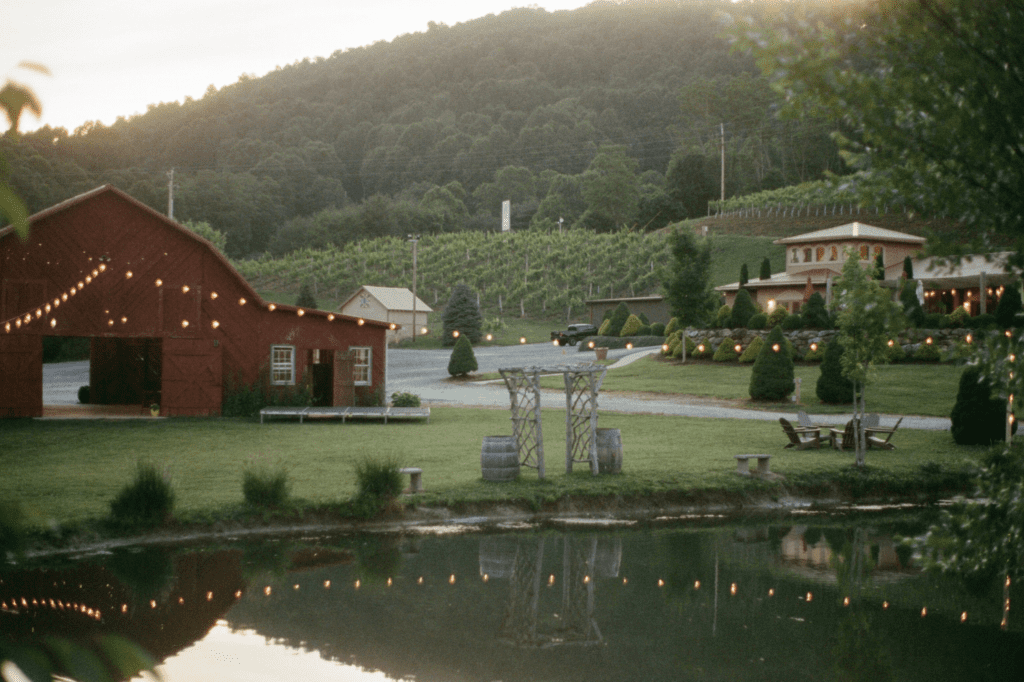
(814,260)
(391,305)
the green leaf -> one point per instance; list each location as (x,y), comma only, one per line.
(13,208)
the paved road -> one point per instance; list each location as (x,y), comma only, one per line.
(425,373)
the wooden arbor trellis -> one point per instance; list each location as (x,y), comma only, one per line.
(582,383)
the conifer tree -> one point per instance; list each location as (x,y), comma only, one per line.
(306,299)
(618,319)
(461,314)
(911,306)
(463,360)
(1009,307)
(977,418)
(744,275)
(688,289)
(771,378)
(908,268)
(766,268)
(743,309)
(832,386)
(814,313)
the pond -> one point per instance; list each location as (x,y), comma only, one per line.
(798,598)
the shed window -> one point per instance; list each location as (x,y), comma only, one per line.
(282,365)
(362,368)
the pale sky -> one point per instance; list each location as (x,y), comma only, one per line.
(112,58)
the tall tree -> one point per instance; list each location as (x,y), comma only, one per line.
(868,318)
(611,189)
(766,269)
(462,315)
(690,183)
(929,93)
(688,284)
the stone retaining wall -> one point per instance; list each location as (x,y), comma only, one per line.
(910,339)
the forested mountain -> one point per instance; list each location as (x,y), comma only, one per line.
(604,116)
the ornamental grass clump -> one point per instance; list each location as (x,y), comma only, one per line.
(148,500)
(405,400)
(378,483)
(264,485)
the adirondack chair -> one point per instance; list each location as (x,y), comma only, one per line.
(875,433)
(845,438)
(800,438)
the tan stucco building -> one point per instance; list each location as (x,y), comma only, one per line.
(389,304)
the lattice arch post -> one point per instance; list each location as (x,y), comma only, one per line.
(582,384)
(523,385)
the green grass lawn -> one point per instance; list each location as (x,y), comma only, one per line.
(68,471)
(917,389)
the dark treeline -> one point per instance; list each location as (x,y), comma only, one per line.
(604,116)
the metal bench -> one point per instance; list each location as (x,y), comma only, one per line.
(345,413)
(743,464)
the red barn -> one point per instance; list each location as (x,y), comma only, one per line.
(170,320)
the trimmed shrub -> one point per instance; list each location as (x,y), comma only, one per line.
(378,485)
(742,309)
(645,330)
(148,500)
(1008,308)
(644,319)
(264,485)
(895,354)
(927,352)
(672,325)
(620,315)
(776,316)
(932,321)
(462,361)
(673,341)
(814,313)
(832,386)
(677,349)
(793,322)
(751,352)
(958,318)
(83,395)
(405,400)
(702,350)
(771,378)
(461,314)
(603,329)
(658,329)
(766,268)
(758,321)
(723,317)
(631,327)
(984,321)
(815,355)
(726,351)
(977,418)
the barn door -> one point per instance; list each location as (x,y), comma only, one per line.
(344,378)
(21,366)
(192,377)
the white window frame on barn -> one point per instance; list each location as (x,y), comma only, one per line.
(282,365)
(362,368)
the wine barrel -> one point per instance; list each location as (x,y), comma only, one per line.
(609,451)
(499,458)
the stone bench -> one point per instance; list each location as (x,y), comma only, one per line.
(415,479)
(743,464)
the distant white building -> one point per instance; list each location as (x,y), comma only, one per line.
(388,304)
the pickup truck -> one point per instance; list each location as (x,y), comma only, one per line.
(574,333)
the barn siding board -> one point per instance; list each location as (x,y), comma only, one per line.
(106,226)
(21,372)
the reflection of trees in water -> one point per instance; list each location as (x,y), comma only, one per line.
(584,559)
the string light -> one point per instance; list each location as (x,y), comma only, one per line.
(159,282)
(300,312)
(330,317)
(215,324)
(213,295)
(271,307)
(184,289)
(128,274)
(241,301)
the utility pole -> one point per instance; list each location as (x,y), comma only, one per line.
(722,146)
(414,238)
(170,194)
